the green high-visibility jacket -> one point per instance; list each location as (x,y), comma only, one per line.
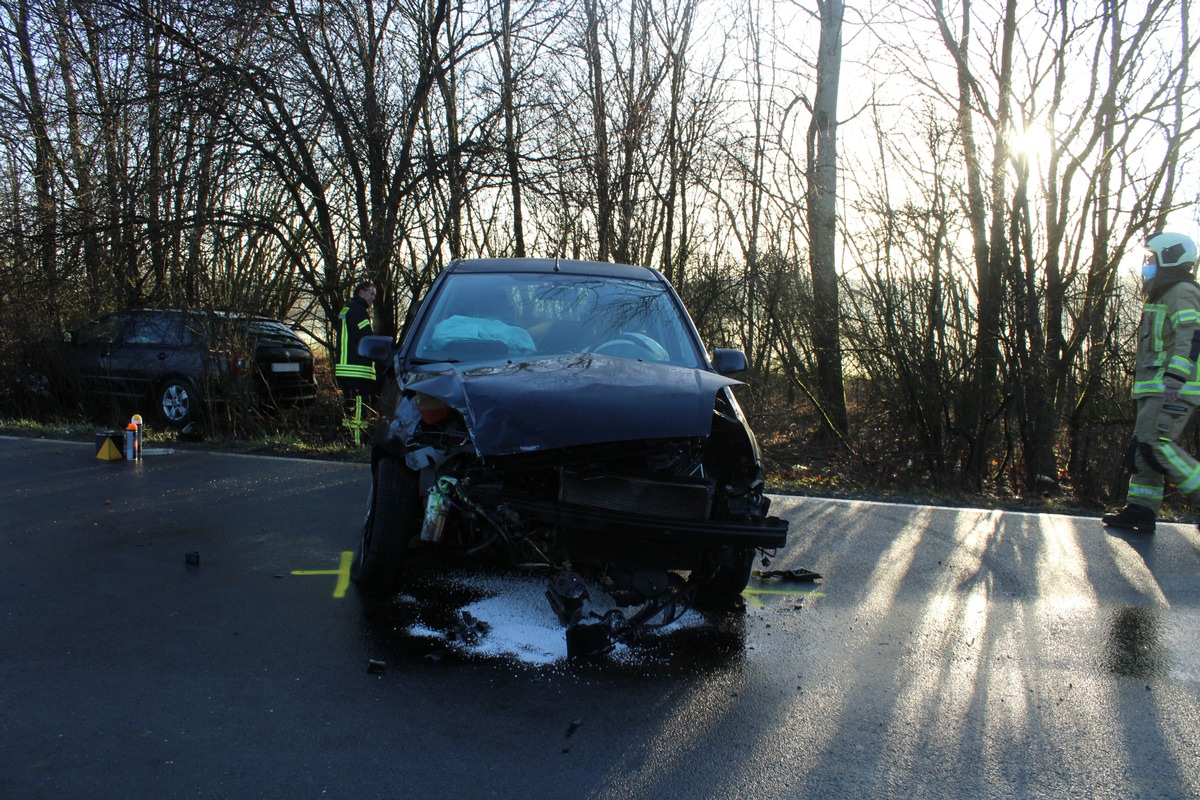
(1169,343)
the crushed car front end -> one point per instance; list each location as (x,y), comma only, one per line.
(623,448)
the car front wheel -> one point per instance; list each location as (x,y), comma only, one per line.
(393,520)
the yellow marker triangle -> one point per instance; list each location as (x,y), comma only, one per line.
(109,452)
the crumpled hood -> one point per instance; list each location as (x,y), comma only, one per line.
(573,400)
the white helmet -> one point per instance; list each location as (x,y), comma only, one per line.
(1172,249)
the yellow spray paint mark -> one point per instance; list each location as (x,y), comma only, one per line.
(754,595)
(342,572)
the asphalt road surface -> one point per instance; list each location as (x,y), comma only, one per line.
(181,628)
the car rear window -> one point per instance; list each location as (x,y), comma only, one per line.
(272,332)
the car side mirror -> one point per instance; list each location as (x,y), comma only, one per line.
(376,348)
(727,361)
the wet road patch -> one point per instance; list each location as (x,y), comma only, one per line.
(485,615)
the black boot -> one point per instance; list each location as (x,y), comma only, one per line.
(1132,517)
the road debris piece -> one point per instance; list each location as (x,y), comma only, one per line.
(567,594)
(574,726)
(596,634)
(799,575)
(470,629)
(376,667)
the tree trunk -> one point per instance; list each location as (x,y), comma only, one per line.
(822,216)
(601,170)
(43,161)
(512,161)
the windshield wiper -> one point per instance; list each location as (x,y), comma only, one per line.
(424,361)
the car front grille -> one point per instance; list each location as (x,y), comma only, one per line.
(649,496)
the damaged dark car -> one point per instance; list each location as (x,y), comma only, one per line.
(566,414)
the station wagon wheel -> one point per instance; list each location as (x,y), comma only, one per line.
(393,517)
(36,381)
(178,402)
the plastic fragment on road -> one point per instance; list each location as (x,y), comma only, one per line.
(800,575)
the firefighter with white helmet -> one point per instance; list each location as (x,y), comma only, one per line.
(1166,384)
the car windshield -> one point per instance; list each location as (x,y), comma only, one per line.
(482,316)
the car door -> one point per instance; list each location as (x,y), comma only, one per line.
(91,350)
(149,349)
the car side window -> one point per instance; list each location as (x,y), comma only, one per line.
(159,330)
(191,331)
(105,330)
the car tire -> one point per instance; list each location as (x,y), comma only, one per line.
(177,402)
(36,384)
(724,589)
(393,517)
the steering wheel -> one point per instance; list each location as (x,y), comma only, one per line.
(624,344)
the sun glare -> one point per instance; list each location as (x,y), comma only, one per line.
(1033,142)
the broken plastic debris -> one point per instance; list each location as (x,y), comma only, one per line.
(799,575)
(574,726)
(567,594)
(471,629)
(589,638)
(375,667)
(193,558)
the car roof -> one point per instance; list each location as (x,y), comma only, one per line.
(550,266)
(233,316)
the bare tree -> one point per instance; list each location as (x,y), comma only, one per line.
(338,91)
(822,215)
(28,98)
(674,34)
(908,324)
(598,97)
(512,162)
(1048,228)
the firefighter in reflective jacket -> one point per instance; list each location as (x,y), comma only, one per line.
(355,374)
(1166,383)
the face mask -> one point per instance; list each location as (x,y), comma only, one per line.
(1149,265)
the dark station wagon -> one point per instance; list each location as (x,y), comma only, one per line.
(566,413)
(176,363)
